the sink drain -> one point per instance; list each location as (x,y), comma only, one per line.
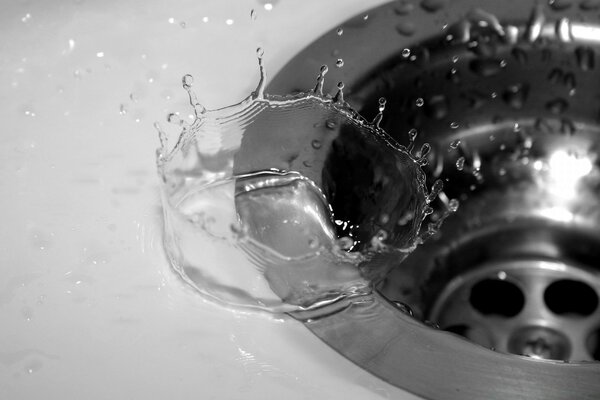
(504,94)
(534,308)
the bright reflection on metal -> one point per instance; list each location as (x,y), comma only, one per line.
(565,171)
(557,214)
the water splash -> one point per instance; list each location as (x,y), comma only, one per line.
(251,221)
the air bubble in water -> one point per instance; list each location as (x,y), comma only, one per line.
(340,31)
(419,102)
(405,53)
(339,63)
(316,144)
(454,125)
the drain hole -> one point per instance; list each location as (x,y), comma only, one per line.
(493,296)
(571,297)
(593,344)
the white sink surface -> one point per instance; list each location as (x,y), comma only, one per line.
(89,308)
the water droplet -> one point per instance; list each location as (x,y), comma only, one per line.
(487,67)
(454,144)
(425,149)
(340,31)
(122,109)
(412,136)
(187,81)
(460,163)
(569,82)
(559,5)
(419,102)
(253,15)
(229,21)
(406,28)
(431,324)
(321,80)
(173,118)
(555,75)
(382,102)
(379,116)
(453,205)
(405,308)
(453,76)
(316,144)
(454,125)
(536,22)
(345,243)
(557,106)
(404,7)
(585,57)
(405,53)
(26,18)
(268,6)
(516,95)
(339,63)
(339,96)
(433,5)
(437,187)
(422,162)
(330,124)
(259,92)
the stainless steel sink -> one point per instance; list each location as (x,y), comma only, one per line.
(502,301)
